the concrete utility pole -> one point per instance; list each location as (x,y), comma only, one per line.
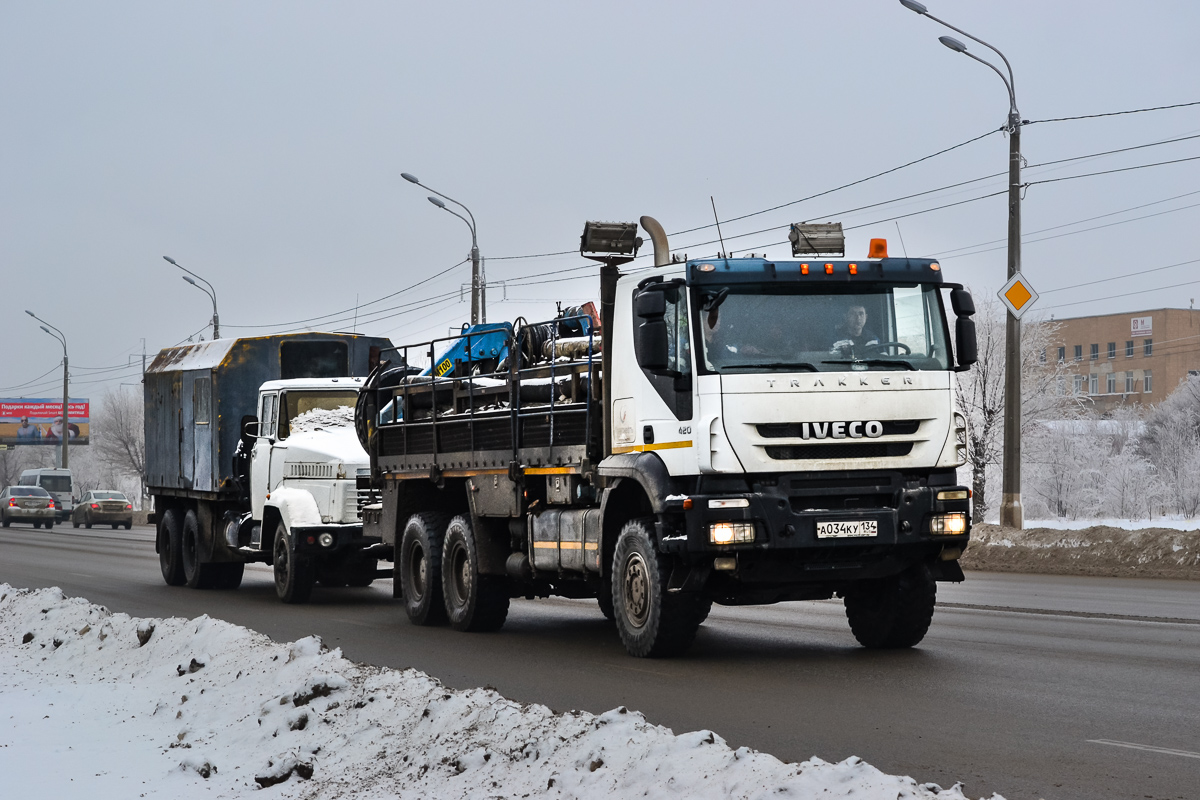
(210,291)
(1011,513)
(66,411)
(478,279)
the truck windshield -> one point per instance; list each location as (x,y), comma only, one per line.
(820,328)
(295,403)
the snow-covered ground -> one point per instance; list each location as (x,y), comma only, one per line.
(101,705)
(1171,522)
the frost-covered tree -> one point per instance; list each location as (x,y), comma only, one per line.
(1059,468)
(121,437)
(1045,392)
(1172,443)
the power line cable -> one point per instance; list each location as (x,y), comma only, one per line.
(944,254)
(29,382)
(1139,274)
(1123,294)
(1025,241)
(789,203)
(352,308)
(1111,113)
(1111,171)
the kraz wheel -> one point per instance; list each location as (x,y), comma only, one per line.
(170,547)
(196,573)
(421,569)
(474,602)
(652,622)
(294,576)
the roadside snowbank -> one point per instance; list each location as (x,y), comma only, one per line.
(112,706)
(1097,551)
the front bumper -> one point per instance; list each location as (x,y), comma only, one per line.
(343,539)
(785,511)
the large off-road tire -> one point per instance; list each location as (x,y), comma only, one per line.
(652,621)
(892,613)
(604,599)
(362,575)
(227,575)
(196,573)
(170,547)
(474,602)
(420,570)
(294,577)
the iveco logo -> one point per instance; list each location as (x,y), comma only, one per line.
(841,430)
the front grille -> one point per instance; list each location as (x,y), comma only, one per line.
(791,430)
(366,497)
(827,452)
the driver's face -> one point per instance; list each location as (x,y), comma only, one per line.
(856,319)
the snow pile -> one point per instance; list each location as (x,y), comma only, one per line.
(323,419)
(122,707)
(1098,551)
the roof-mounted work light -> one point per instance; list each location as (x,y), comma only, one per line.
(610,242)
(811,239)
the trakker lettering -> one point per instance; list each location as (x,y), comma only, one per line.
(872,429)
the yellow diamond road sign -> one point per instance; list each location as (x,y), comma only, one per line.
(1017,295)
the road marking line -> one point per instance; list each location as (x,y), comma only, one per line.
(1134,746)
(1065,613)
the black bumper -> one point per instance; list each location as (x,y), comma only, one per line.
(785,511)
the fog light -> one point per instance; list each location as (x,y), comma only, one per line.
(949,524)
(953,494)
(731,532)
(725,564)
(326,539)
(729,502)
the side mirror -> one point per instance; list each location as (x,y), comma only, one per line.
(650,340)
(965,345)
(962,303)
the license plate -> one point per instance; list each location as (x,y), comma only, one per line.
(847,528)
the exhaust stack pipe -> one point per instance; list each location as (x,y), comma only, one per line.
(662,252)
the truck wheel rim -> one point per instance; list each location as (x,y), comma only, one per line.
(418,572)
(460,573)
(282,564)
(636,591)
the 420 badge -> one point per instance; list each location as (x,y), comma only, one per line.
(838,529)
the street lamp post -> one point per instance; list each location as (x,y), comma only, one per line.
(210,291)
(66,412)
(478,280)
(1011,513)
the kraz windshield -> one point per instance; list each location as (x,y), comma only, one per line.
(820,328)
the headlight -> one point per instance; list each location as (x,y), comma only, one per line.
(729,502)
(948,524)
(326,539)
(731,532)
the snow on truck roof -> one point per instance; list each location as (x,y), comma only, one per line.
(203,355)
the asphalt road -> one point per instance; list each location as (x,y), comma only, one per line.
(1030,686)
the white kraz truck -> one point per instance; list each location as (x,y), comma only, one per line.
(739,431)
(245,470)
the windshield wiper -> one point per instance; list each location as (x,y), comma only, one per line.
(873,362)
(797,365)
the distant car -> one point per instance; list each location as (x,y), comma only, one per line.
(101,507)
(27,504)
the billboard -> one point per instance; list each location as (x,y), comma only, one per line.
(1141,326)
(36,421)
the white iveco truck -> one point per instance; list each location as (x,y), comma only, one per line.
(738,431)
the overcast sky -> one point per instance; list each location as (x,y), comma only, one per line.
(261,145)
